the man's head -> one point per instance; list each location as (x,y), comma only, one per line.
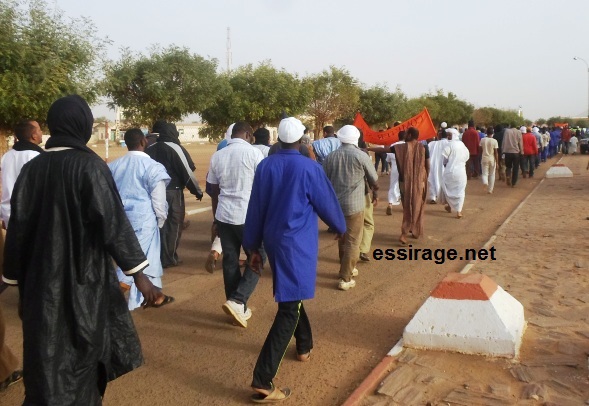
(242,130)
(396,123)
(412,134)
(348,134)
(402,135)
(262,136)
(328,131)
(290,132)
(470,123)
(135,140)
(70,117)
(28,130)
(490,131)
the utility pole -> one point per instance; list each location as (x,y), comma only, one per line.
(229,56)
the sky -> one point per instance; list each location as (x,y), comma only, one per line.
(497,53)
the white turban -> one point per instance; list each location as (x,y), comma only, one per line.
(290,130)
(348,134)
(229,131)
(454,133)
(444,124)
(523,129)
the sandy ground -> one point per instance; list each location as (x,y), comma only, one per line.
(194,355)
(544,263)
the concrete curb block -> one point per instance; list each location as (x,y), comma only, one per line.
(373,379)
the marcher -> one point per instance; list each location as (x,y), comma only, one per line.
(29,136)
(168,152)
(434,192)
(141,183)
(261,140)
(471,140)
(322,148)
(512,148)
(545,144)
(528,160)
(394,194)
(573,145)
(290,238)
(489,151)
(565,137)
(349,169)
(456,156)
(66,227)
(413,165)
(231,175)
(498,136)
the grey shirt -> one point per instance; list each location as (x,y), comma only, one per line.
(512,142)
(348,168)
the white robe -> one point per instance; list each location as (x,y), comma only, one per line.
(436,169)
(394,191)
(454,178)
(573,146)
(140,181)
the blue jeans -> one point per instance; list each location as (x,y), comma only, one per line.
(238,287)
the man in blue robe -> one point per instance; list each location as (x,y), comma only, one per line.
(288,193)
(142,182)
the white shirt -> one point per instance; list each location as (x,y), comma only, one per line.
(12,163)
(233,169)
(263,148)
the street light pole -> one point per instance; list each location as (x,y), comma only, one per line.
(576,58)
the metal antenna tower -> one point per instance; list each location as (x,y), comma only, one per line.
(229,50)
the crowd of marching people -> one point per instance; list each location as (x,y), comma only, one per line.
(67,215)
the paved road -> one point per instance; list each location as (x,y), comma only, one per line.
(194,355)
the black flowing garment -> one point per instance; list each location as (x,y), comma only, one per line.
(66,226)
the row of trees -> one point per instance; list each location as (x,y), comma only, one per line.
(43,56)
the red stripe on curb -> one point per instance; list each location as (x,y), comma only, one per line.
(369,384)
(465,287)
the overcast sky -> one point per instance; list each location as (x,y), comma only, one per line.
(503,53)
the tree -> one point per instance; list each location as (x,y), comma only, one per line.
(451,109)
(379,106)
(334,93)
(488,116)
(42,58)
(168,84)
(258,95)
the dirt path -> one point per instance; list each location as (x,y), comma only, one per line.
(195,356)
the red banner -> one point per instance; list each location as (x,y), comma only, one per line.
(422,122)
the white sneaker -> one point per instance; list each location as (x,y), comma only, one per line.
(247,314)
(343,285)
(236,311)
(355,272)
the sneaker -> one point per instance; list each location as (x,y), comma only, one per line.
(343,285)
(355,272)
(364,257)
(236,311)
(247,314)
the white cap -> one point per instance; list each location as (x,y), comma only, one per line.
(454,132)
(290,130)
(229,131)
(444,124)
(523,129)
(348,134)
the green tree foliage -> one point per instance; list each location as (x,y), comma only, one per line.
(490,116)
(167,84)
(379,106)
(334,93)
(257,94)
(43,56)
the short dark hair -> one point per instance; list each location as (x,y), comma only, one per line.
(241,127)
(412,134)
(490,131)
(471,123)
(328,129)
(133,137)
(262,135)
(23,130)
(402,134)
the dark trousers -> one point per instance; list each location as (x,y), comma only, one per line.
(172,230)
(382,157)
(238,287)
(290,320)
(512,167)
(527,164)
(472,166)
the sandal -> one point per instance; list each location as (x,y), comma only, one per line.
(277,395)
(14,377)
(304,357)
(167,300)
